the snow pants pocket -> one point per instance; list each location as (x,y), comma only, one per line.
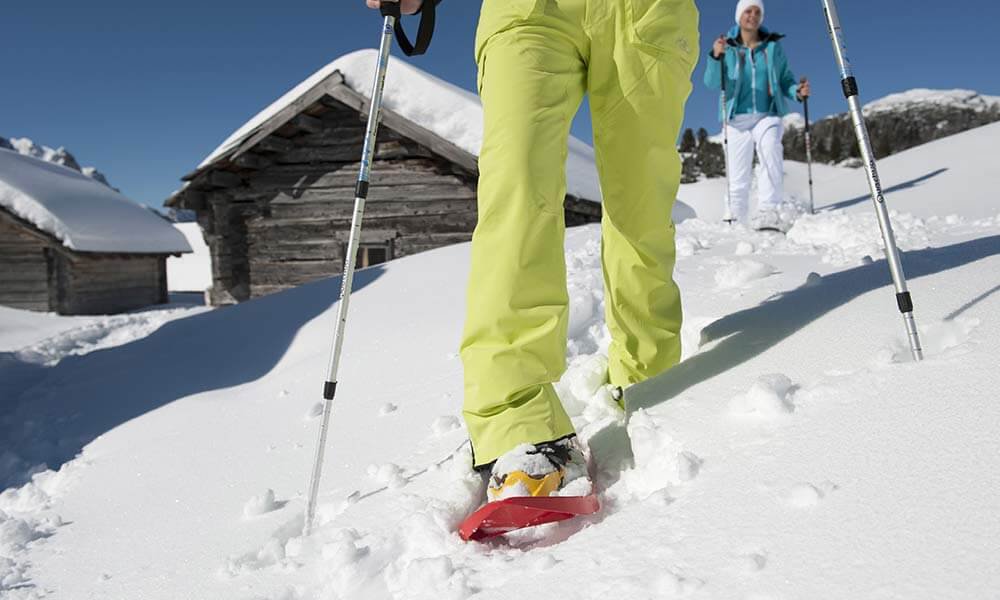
(664,28)
(498,15)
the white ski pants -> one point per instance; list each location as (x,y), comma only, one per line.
(747,132)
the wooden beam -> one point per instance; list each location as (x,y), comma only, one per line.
(193,200)
(33,231)
(274,144)
(222,179)
(437,144)
(252,161)
(282,117)
(307,123)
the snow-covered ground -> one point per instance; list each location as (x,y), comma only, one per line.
(190,272)
(796,452)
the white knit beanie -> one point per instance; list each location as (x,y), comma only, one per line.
(745,4)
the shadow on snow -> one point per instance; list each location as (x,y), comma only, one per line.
(749,332)
(50,413)
(899,186)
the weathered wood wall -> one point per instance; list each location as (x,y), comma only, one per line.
(38,273)
(107,284)
(279,215)
(24,271)
(287,222)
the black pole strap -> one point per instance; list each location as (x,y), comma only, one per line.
(424,32)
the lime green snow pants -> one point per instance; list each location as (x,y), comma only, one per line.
(537,59)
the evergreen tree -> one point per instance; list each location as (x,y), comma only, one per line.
(836,149)
(702,136)
(688,143)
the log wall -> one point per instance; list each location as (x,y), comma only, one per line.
(24,269)
(279,215)
(38,273)
(107,284)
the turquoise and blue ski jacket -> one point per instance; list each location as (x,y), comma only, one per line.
(757,81)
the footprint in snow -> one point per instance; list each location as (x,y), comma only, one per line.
(314,411)
(754,562)
(445,424)
(807,495)
(688,465)
(675,585)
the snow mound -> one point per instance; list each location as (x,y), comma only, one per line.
(740,273)
(770,396)
(260,504)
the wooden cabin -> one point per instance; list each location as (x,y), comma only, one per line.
(73,246)
(275,201)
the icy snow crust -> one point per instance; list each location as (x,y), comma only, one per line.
(436,105)
(796,452)
(82,213)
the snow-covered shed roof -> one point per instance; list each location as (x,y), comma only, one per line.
(83,214)
(441,108)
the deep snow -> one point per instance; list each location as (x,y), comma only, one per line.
(797,452)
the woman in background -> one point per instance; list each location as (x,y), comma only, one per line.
(758,85)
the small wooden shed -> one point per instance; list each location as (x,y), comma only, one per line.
(275,200)
(71,245)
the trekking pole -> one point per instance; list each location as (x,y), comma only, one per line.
(850,87)
(809,154)
(728,218)
(391,12)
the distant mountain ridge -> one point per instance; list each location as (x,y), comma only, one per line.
(59,156)
(896,122)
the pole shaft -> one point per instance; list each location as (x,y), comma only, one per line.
(330,385)
(725,142)
(809,158)
(850,86)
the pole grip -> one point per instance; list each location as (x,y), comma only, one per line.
(390,8)
(722,71)
(805,105)
(425,32)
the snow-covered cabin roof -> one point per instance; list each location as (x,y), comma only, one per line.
(83,214)
(446,110)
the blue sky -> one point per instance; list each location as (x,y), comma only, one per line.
(143,91)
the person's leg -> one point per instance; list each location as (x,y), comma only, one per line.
(532,78)
(740,166)
(770,167)
(640,78)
